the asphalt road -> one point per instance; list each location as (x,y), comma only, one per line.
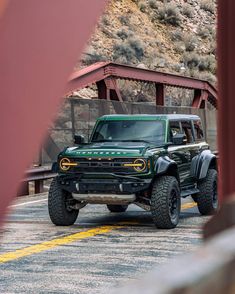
(100,252)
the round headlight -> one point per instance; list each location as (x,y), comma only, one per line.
(64,164)
(140,165)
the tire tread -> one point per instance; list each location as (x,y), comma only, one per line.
(204,198)
(58,213)
(159,202)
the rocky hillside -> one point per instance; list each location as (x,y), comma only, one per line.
(172,36)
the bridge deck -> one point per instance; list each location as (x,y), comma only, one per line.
(100,252)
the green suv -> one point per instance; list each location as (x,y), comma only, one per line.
(148,160)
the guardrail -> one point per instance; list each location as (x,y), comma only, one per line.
(37,175)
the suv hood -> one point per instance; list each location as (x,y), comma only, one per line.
(105,149)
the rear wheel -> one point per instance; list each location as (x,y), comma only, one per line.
(117,208)
(58,206)
(207,198)
(165,202)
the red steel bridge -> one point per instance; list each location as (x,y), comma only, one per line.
(106,74)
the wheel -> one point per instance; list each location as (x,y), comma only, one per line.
(117,208)
(165,202)
(58,209)
(207,198)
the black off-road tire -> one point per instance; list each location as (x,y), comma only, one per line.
(59,214)
(165,202)
(117,208)
(207,198)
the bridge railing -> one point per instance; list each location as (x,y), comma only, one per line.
(37,175)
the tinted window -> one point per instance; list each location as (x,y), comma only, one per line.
(198,130)
(187,130)
(152,131)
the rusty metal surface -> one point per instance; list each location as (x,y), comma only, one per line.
(103,70)
(226,117)
(40,42)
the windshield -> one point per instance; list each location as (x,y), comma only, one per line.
(131,130)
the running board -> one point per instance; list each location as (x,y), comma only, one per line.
(188,192)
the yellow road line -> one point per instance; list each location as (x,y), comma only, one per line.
(5,257)
(47,245)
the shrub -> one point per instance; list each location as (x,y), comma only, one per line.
(152,4)
(212,64)
(197,64)
(212,49)
(169,14)
(180,47)
(130,50)
(137,46)
(207,76)
(124,33)
(177,35)
(92,57)
(191,60)
(190,42)
(142,6)
(187,10)
(208,63)
(204,64)
(208,5)
(124,50)
(203,32)
(124,20)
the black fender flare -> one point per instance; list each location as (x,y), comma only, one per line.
(201,163)
(165,165)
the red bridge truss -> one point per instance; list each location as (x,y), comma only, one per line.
(106,74)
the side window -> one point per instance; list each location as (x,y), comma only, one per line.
(187,130)
(174,129)
(199,136)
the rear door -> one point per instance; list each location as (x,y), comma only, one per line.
(183,154)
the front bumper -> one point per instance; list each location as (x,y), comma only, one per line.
(115,184)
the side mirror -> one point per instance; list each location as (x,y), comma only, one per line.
(179,139)
(79,139)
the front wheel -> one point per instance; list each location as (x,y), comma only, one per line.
(117,208)
(207,198)
(165,202)
(58,206)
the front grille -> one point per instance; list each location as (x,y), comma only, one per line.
(114,165)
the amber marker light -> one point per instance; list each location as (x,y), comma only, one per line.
(149,164)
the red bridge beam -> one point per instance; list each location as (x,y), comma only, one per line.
(103,70)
